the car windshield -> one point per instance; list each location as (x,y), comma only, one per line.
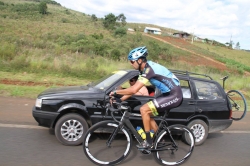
(108,80)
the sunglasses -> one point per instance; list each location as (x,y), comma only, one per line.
(131,80)
(132,62)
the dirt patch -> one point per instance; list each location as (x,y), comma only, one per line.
(27,83)
(199,61)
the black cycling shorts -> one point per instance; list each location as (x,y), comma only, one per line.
(166,101)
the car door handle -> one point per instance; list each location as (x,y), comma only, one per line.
(191,103)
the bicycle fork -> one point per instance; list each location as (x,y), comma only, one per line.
(113,134)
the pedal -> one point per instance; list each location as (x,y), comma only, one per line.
(146,152)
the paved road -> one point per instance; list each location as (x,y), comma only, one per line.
(24,143)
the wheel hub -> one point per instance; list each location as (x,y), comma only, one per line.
(71,130)
(199,132)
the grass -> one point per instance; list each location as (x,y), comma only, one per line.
(21,91)
(43,79)
(242,57)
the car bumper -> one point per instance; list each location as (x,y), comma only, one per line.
(219,125)
(44,118)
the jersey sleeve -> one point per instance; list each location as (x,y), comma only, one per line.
(143,80)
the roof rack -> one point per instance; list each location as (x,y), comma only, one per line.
(188,73)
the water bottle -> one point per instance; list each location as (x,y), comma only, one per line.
(141,132)
(152,133)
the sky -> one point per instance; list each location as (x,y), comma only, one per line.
(219,20)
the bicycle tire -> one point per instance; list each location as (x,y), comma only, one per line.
(238,104)
(96,149)
(174,156)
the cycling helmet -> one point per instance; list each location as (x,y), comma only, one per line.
(139,52)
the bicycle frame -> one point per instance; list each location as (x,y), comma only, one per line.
(126,122)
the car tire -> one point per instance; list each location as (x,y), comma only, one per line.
(70,129)
(200,131)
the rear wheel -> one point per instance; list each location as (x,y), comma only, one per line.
(200,131)
(101,149)
(238,104)
(173,151)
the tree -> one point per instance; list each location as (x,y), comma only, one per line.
(237,46)
(109,21)
(121,18)
(93,17)
(121,31)
(43,7)
(115,54)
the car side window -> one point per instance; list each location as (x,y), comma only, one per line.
(186,92)
(207,90)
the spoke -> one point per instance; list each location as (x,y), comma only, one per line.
(78,133)
(63,129)
(66,133)
(74,123)
(64,125)
(67,138)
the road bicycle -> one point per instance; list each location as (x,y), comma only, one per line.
(237,101)
(110,142)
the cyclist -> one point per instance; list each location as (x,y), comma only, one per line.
(161,78)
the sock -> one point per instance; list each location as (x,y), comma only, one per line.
(148,137)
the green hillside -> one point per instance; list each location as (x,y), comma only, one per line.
(69,45)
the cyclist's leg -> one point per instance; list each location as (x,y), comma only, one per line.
(153,125)
(146,113)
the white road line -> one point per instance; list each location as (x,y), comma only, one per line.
(22,126)
(236,132)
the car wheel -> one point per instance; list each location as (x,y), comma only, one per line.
(70,128)
(200,131)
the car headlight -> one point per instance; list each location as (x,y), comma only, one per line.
(39,103)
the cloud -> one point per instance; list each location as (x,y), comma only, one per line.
(213,19)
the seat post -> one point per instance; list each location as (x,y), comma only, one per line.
(166,113)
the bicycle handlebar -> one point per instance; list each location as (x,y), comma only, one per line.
(119,108)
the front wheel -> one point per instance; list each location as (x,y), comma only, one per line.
(170,150)
(238,104)
(70,128)
(106,144)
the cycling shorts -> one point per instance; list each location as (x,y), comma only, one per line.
(166,101)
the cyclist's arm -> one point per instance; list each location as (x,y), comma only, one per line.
(131,90)
(125,97)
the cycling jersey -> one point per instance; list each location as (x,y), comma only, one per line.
(166,82)
(159,76)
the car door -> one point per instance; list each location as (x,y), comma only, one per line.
(210,100)
(186,110)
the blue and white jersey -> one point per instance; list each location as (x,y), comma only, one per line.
(159,76)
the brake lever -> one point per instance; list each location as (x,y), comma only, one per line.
(107,108)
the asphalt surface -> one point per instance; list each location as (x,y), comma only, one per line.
(23,142)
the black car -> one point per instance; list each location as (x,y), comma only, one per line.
(70,111)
